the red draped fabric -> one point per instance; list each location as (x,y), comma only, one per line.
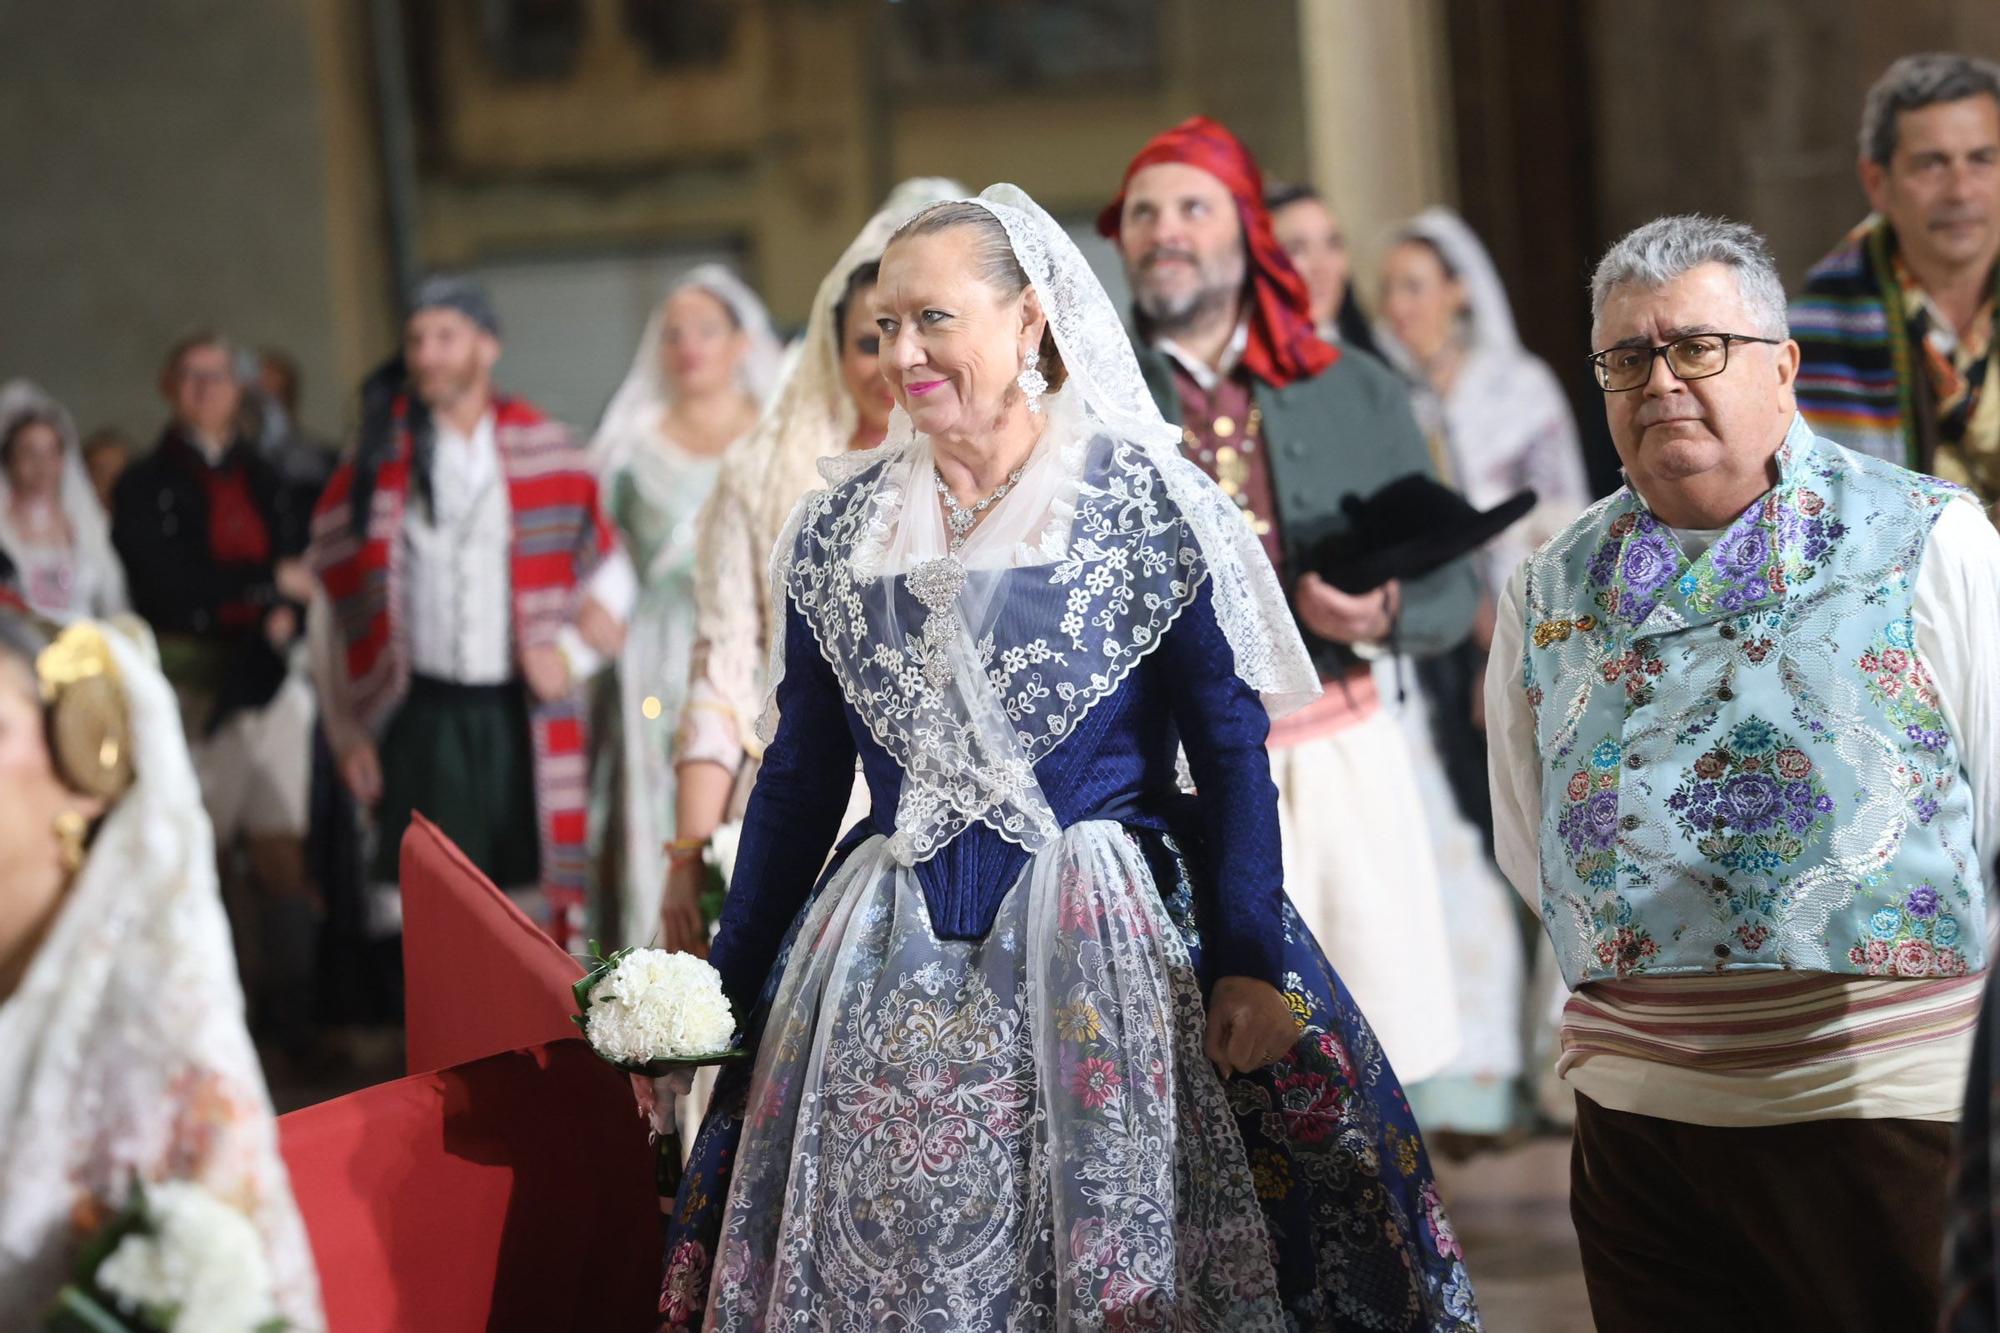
(478,975)
(513,1192)
(507,1183)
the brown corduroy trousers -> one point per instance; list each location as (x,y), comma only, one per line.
(1827,1225)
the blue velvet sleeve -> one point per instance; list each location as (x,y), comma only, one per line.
(1223,727)
(792,820)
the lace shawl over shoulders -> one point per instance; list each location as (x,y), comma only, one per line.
(968,686)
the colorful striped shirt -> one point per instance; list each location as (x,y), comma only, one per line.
(1867,335)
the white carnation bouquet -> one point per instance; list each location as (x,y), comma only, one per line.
(176,1260)
(656,1014)
(652,1012)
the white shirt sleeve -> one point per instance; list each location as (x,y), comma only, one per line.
(1957,613)
(614,586)
(1512,759)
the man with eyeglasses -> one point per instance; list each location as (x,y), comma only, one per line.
(1744,718)
(212,544)
(1897,326)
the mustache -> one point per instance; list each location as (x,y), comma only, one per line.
(1950,217)
(1673,408)
(1160,253)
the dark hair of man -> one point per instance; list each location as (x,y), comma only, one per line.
(375,442)
(1915,82)
(1284,196)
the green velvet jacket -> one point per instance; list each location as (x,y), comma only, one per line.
(1347,431)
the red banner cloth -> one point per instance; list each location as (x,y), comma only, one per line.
(478,976)
(514,1192)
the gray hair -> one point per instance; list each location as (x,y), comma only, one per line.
(993,254)
(1665,248)
(1920,81)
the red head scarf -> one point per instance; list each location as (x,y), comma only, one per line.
(1283,346)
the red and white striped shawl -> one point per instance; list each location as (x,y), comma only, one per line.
(559,535)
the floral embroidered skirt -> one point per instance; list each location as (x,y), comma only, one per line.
(1022,1132)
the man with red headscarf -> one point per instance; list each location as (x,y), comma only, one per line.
(1289,425)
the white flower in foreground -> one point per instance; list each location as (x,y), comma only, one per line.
(657,1005)
(203,1265)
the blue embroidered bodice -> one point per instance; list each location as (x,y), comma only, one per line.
(1119,764)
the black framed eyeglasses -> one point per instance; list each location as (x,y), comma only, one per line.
(1695,357)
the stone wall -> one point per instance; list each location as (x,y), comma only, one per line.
(167,166)
(187,162)
(1750,108)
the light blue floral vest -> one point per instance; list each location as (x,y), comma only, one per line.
(1744,765)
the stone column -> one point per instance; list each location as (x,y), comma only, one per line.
(1377,110)
(360,281)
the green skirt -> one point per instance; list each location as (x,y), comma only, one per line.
(461,756)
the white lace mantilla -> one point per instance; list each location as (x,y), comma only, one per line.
(757,490)
(969,668)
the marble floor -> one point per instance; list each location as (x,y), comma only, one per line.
(1511,1212)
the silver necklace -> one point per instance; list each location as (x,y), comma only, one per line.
(962,519)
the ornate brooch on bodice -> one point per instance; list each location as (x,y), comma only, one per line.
(936,584)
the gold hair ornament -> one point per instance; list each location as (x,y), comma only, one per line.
(88,722)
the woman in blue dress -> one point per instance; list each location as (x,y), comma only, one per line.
(1043,1046)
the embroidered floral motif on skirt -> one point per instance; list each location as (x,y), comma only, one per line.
(1022,1132)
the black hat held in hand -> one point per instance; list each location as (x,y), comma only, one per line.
(1410,527)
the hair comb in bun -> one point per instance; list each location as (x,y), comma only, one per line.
(89,726)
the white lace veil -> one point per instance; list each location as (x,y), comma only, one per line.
(969,667)
(763,475)
(124,1051)
(88,528)
(1506,422)
(634,410)
(810,417)
(1489,317)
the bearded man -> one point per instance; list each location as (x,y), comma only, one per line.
(461,546)
(1290,426)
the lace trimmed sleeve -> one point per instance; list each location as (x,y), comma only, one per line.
(725,690)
